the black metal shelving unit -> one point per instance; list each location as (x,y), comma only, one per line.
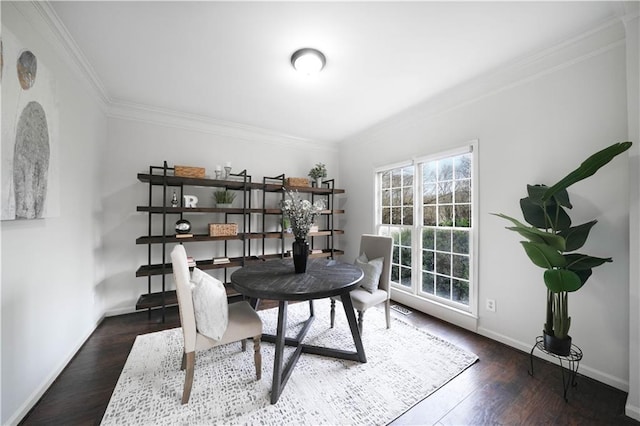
(158,264)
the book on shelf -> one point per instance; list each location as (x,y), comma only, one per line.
(184,235)
(191,261)
(316,251)
(220,260)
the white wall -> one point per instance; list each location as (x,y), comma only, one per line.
(530,120)
(632,28)
(50,307)
(49,266)
(535,122)
(133,146)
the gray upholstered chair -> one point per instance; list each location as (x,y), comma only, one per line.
(243,323)
(373,246)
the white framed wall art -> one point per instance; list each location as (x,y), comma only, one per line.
(30,165)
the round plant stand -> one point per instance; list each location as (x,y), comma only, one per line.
(572,361)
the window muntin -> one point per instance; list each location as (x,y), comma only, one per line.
(397,196)
(440,258)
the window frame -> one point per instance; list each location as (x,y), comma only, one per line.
(415,290)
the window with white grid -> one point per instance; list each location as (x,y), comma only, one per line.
(427,206)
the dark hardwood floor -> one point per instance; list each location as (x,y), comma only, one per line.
(495,390)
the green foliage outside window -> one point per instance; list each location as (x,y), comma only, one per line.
(444,211)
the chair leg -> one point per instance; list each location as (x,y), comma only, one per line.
(244,345)
(387,311)
(183,364)
(360,315)
(188,378)
(257,357)
(333,312)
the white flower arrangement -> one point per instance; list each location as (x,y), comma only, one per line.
(301,213)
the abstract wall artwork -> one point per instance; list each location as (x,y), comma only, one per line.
(30,175)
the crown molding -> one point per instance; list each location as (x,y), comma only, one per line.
(596,41)
(192,122)
(629,10)
(73,53)
(119,109)
(564,54)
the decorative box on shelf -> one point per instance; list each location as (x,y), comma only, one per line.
(298,181)
(190,172)
(223,229)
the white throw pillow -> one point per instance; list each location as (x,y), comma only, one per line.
(372,270)
(210,304)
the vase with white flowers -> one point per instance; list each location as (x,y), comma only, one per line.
(301,213)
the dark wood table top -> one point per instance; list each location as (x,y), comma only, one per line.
(277,280)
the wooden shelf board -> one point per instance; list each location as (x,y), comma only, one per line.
(154,300)
(177,210)
(159,239)
(279,211)
(178,181)
(311,234)
(310,189)
(156,269)
(230,184)
(327,253)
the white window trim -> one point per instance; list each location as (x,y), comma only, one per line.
(466,318)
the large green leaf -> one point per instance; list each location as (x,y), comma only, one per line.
(533,234)
(588,167)
(562,198)
(558,280)
(534,215)
(584,275)
(576,236)
(578,261)
(537,236)
(543,255)
(536,193)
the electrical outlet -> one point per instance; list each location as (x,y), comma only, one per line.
(491,305)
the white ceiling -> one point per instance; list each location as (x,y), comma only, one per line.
(229,61)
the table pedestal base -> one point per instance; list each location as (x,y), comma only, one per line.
(281,372)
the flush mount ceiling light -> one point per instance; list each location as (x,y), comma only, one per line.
(308,61)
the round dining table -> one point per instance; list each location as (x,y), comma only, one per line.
(277,280)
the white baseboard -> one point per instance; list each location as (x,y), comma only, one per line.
(632,411)
(33,399)
(120,311)
(584,369)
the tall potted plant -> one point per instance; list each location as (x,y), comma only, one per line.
(552,242)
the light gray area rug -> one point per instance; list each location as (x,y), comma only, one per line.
(404,365)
